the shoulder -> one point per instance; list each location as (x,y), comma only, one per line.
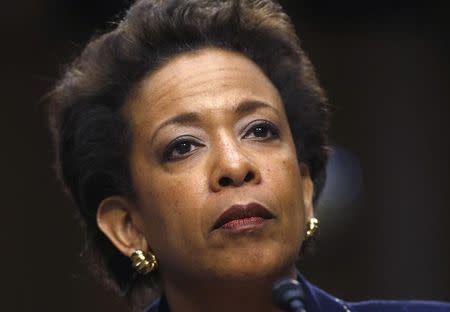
(153,307)
(318,300)
(399,306)
(159,305)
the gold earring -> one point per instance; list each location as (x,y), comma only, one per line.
(311,227)
(142,262)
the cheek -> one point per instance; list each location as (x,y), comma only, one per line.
(285,180)
(284,173)
(169,208)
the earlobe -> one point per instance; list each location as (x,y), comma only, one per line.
(308,191)
(114,218)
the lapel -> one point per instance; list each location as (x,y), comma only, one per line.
(316,300)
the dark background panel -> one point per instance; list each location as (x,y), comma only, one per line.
(386,71)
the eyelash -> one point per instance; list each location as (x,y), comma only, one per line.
(168,154)
(267,126)
(193,144)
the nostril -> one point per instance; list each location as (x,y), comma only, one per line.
(249,177)
(225,181)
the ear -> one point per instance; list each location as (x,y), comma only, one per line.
(308,191)
(117,219)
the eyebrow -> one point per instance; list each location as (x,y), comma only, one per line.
(249,106)
(183,118)
(243,108)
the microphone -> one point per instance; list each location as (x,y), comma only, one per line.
(288,295)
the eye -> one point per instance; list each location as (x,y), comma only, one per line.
(180,148)
(262,130)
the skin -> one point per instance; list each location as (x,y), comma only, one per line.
(237,149)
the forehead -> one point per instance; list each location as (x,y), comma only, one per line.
(205,80)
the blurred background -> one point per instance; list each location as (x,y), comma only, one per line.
(385,211)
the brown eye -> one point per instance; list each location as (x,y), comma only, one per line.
(262,130)
(183,148)
(180,149)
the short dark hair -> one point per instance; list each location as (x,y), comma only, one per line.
(89,128)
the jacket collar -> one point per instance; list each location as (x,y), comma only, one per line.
(316,300)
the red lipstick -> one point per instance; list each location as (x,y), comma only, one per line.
(242,217)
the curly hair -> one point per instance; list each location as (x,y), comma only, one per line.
(90,129)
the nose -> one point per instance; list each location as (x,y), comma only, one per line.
(232,167)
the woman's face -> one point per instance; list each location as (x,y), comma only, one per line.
(219,191)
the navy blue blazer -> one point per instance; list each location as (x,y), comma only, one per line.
(317,300)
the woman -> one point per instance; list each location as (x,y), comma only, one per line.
(193,140)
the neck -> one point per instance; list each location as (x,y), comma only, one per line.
(224,295)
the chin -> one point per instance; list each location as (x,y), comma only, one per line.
(252,264)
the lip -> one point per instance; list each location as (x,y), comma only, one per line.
(243,217)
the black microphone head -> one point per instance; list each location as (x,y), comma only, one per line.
(288,295)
